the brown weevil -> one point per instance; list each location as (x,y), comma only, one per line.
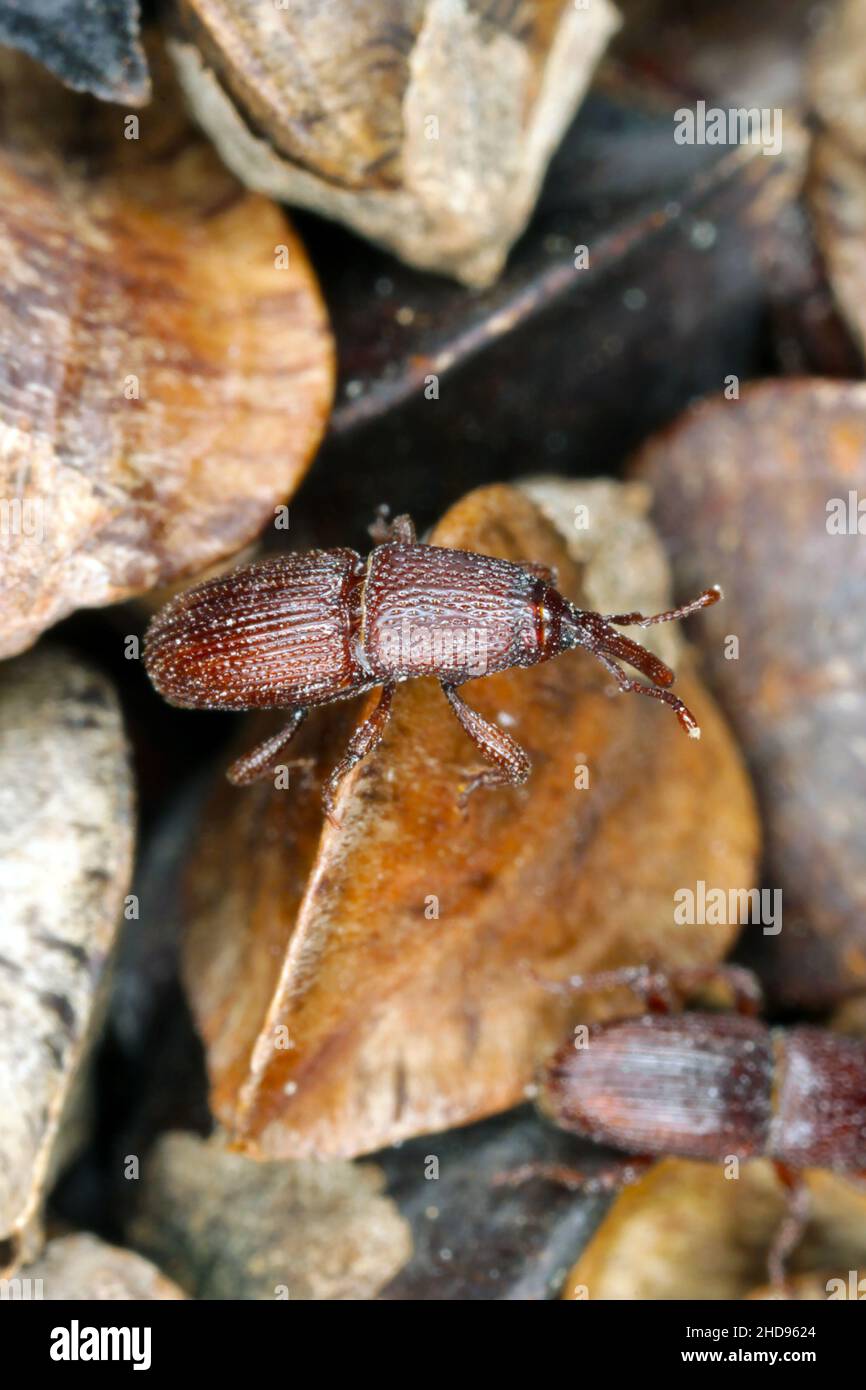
(708,1086)
(306,629)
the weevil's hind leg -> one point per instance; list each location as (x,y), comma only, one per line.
(387,528)
(545,572)
(511,765)
(662,991)
(261,760)
(364,740)
(682,711)
(704,600)
(618,1174)
(792,1227)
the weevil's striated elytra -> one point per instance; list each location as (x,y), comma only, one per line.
(304,630)
(705,1086)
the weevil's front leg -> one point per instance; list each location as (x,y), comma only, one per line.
(512,766)
(682,711)
(617,1174)
(792,1227)
(662,991)
(261,760)
(387,528)
(364,740)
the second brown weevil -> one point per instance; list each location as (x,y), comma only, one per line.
(307,629)
(710,1086)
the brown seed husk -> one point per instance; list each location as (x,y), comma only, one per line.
(753,491)
(836,184)
(164,384)
(66,837)
(426,127)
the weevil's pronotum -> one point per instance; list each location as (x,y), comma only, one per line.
(306,629)
(709,1086)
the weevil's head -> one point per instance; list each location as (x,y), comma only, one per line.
(578,625)
(562,624)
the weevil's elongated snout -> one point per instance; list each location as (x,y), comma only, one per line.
(597,633)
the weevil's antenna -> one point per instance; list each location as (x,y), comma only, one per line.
(704,600)
(595,633)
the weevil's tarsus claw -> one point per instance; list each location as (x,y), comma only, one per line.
(485,777)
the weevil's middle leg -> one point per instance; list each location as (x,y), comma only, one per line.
(792,1227)
(617,1174)
(387,528)
(512,766)
(262,760)
(364,740)
(662,991)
